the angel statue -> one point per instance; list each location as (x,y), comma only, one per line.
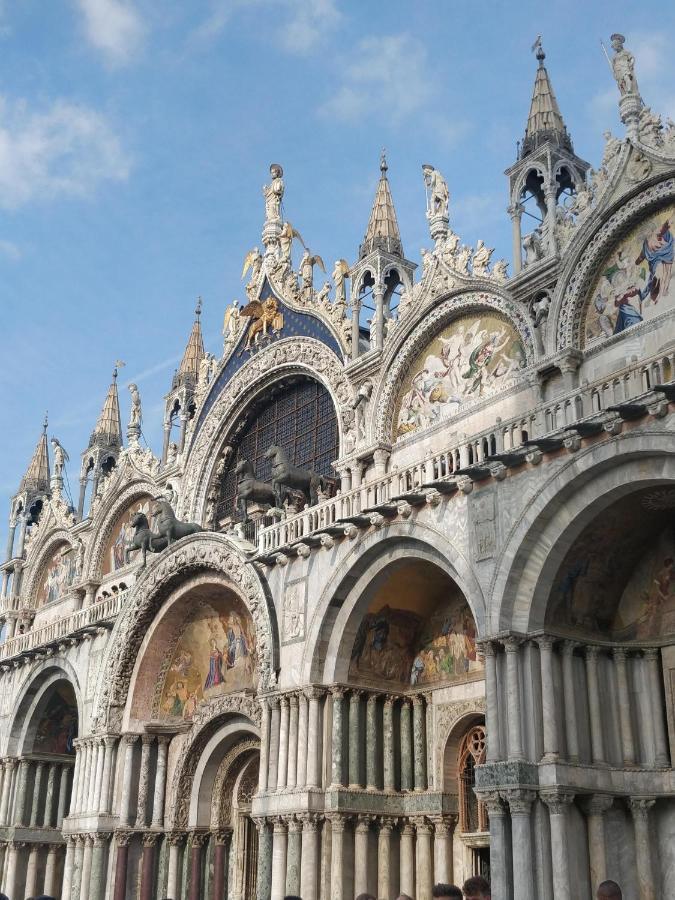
(60,457)
(438,196)
(253,262)
(231,322)
(623,66)
(322,296)
(307,264)
(286,240)
(481,259)
(265,315)
(340,272)
(135,416)
(273,193)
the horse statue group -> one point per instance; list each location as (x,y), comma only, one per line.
(169,529)
(287,479)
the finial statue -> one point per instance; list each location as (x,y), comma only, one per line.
(307,264)
(481,259)
(274,193)
(231,323)
(286,240)
(60,457)
(438,196)
(136,415)
(340,273)
(623,66)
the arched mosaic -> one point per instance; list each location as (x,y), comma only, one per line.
(58,574)
(114,552)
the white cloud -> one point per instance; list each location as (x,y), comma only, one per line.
(386,76)
(112,26)
(64,149)
(10,250)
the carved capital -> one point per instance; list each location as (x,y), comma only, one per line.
(422,826)
(150,838)
(557,801)
(123,837)
(598,804)
(652,654)
(520,801)
(176,838)
(223,836)
(640,806)
(199,838)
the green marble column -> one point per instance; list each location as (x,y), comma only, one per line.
(337,776)
(355,739)
(406,747)
(388,740)
(419,744)
(371,743)
(293,856)
(264,879)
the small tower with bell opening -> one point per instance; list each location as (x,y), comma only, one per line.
(105,444)
(180,401)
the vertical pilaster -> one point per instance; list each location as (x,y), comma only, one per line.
(512,646)
(406,747)
(597,741)
(407,860)
(49,886)
(653,660)
(148,865)
(520,806)
(385,886)
(423,853)
(337,772)
(109,742)
(32,870)
(122,839)
(571,733)
(388,740)
(9,765)
(548,700)
(419,744)
(160,781)
(78,861)
(597,806)
(197,841)
(98,778)
(558,803)
(85,878)
(97,883)
(355,740)
(13,850)
(644,847)
(141,811)
(66,886)
(21,797)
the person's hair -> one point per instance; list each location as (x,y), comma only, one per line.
(477,885)
(610,890)
(447,890)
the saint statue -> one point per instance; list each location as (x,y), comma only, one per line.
(231,322)
(273,193)
(60,457)
(340,273)
(135,417)
(438,196)
(481,259)
(623,66)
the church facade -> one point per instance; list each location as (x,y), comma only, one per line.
(395,604)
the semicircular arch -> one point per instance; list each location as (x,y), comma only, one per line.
(48,547)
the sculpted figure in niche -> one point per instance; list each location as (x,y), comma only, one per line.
(273,194)
(438,196)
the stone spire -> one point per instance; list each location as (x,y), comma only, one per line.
(36,479)
(545,121)
(382,232)
(194,351)
(108,430)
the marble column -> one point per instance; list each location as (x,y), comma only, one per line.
(85,878)
(293,856)
(121,864)
(32,870)
(264,745)
(597,741)
(644,847)
(125,805)
(148,865)
(407,860)
(625,724)
(597,806)
(571,733)
(86,775)
(419,744)
(512,646)
(302,740)
(355,740)
(491,703)
(292,774)
(388,741)
(109,742)
(141,813)
(221,858)
(9,765)
(99,758)
(313,735)
(372,743)
(274,745)
(520,806)
(385,886)
(160,781)
(35,805)
(337,864)
(62,808)
(66,886)
(309,869)
(406,747)
(21,799)
(13,850)
(279,850)
(337,773)
(98,866)
(655,675)
(361,832)
(558,803)
(443,862)
(548,701)
(282,768)
(424,867)
(197,841)
(264,879)
(49,886)
(78,860)
(175,840)
(47,818)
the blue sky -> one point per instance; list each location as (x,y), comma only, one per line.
(135,136)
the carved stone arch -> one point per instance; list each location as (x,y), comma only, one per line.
(522,178)
(39,555)
(228,709)
(231,766)
(453,717)
(107,516)
(600,234)
(39,679)
(304,356)
(417,336)
(197,553)
(539,537)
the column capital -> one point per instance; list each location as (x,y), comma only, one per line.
(279,825)
(488,649)
(199,838)
(274,702)
(163,739)
(390,699)
(592,651)
(355,694)
(295,827)
(597,804)
(569,647)
(123,837)
(652,654)
(175,838)
(373,698)
(407,827)
(520,801)
(512,643)
(310,821)
(619,654)
(284,701)
(557,800)
(9,762)
(313,692)
(130,739)
(337,691)
(363,823)
(293,700)
(260,822)
(222,836)
(150,838)
(418,699)
(147,738)
(386,823)
(101,838)
(640,806)
(110,739)
(444,825)
(545,642)
(422,826)
(338,821)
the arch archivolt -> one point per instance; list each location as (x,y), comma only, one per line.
(202,552)
(453,718)
(229,771)
(416,338)
(582,267)
(304,356)
(325,658)
(35,566)
(591,481)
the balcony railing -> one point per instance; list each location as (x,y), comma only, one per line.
(98,612)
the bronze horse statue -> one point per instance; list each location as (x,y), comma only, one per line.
(144,539)
(286,476)
(249,489)
(168,526)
